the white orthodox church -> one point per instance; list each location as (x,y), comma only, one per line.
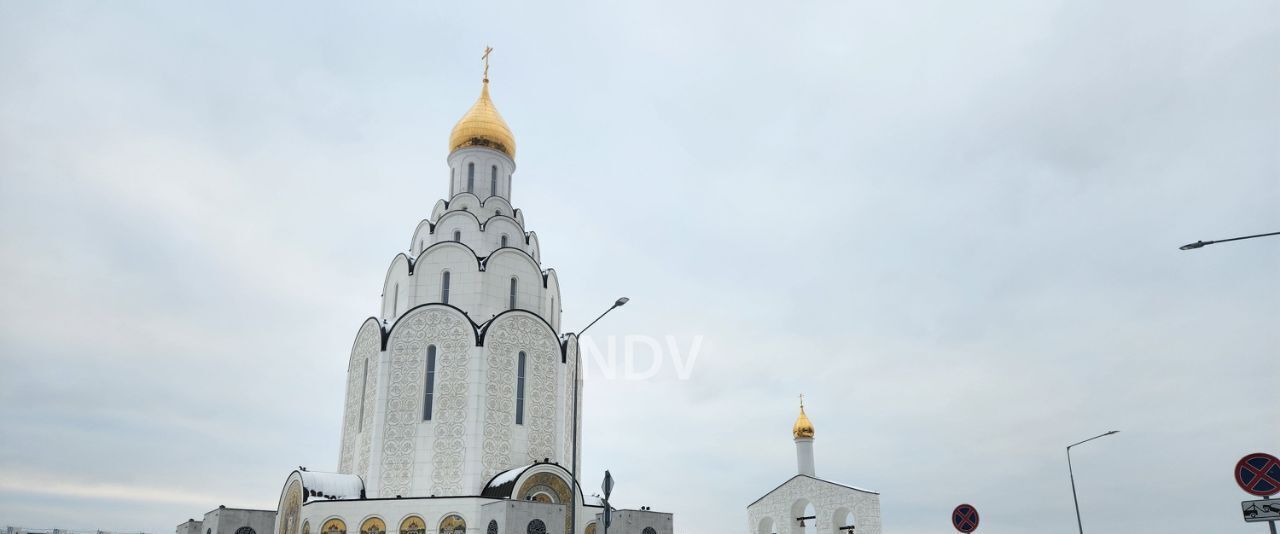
(463,395)
(808,501)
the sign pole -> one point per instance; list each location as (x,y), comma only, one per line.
(607,487)
(1272,523)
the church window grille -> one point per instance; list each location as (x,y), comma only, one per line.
(245,530)
(520,389)
(649,530)
(512,299)
(536,527)
(504,240)
(493,527)
(430,393)
(471,177)
(364,389)
(493,181)
(444,287)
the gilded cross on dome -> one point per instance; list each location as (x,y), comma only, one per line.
(485,57)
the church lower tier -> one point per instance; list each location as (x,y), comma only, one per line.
(437,405)
(531,499)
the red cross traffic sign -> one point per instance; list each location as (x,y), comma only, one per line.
(1259,474)
(965,518)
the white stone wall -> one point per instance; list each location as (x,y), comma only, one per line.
(191,526)
(483,159)
(480,266)
(513,517)
(635,521)
(229,520)
(776,512)
(394,511)
(472,434)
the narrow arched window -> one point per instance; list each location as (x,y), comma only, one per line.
(430,391)
(457,235)
(364,389)
(471,177)
(520,389)
(512,299)
(444,287)
(395,301)
(504,240)
(493,180)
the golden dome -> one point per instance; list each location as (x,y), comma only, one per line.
(483,126)
(803,427)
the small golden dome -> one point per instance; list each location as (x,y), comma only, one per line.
(483,126)
(803,427)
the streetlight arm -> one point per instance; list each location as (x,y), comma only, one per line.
(1199,244)
(1093,438)
(606,312)
(616,303)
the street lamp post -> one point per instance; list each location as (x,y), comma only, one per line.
(573,467)
(1079,524)
(1199,244)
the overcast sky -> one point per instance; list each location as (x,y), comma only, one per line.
(952,225)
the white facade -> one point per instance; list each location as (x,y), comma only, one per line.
(834,506)
(223,520)
(511,502)
(804,457)
(805,499)
(640,522)
(470,291)
(459,413)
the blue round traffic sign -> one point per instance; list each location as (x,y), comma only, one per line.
(965,518)
(1259,474)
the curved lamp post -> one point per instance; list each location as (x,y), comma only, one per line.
(1199,244)
(1073,475)
(577,365)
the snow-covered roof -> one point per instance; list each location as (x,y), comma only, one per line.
(503,484)
(332,486)
(509,475)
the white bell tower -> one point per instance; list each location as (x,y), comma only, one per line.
(803,432)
